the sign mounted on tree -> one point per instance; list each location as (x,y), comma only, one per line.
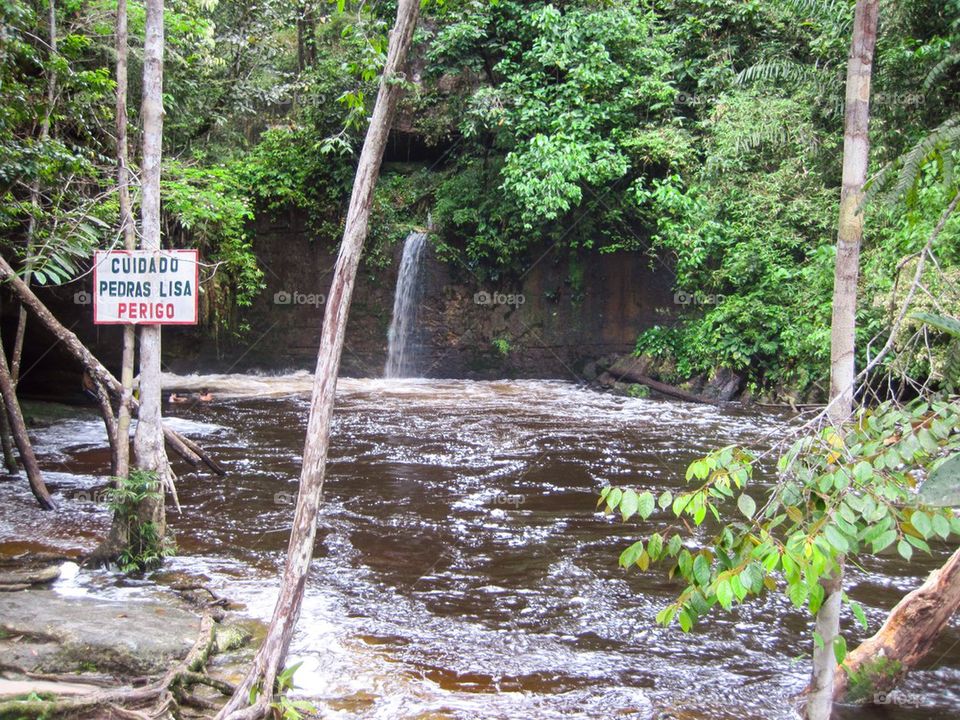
(145,287)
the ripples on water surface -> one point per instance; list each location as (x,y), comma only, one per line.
(460,571)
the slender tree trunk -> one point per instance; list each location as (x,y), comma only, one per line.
(19,428)
(272,653)
(148,440)
(127,228)
(6,442)
(856,155)
(907,636)
(35,193)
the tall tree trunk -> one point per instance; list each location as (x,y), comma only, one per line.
(856,155)
(148,440)
(273,652)
(127,228)
(909,633)
(19,428)
(35,192)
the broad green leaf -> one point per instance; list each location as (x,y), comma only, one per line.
(725,594)
(943,323)
(701,570)
(942,487)
(798,593)
(840,648)
(941,526)
(666,499)
(906,552)
(747,505)
(628,504)
(645,504)
(921,523)
(884,541)
(629,556)
(836,539)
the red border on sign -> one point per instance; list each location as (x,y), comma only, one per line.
(97,254)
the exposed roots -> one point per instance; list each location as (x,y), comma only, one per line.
(157,700)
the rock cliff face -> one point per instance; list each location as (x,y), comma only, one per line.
(551,321)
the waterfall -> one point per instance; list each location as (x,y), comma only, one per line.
(401,357)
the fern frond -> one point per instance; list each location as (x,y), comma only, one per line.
(838,13)
(939,70)
(935,147)
(776,70)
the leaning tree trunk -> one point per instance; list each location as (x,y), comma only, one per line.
(127,228)
(856,154)
(20,437)
(908,635)
(183,446)
(272,653)
(148,441)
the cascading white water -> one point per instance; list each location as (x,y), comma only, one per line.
(401,358)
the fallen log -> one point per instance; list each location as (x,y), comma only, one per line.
(910,632)
(193,455)
(628,375)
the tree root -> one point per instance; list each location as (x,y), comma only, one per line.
(153,701)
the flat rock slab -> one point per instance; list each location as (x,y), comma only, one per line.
(14,688)
(43,631)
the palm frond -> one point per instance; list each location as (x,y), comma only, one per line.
(935,147)
(776,70)
(939,70)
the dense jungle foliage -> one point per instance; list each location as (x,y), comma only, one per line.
(704,134)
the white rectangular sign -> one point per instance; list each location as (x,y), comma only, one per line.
(145,287)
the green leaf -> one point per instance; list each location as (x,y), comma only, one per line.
(701,571)
(685,622)
(906,552)
(944,323)
(942,487)
(725,594)
(747,505)
(629,556)
(859,614)
(941,526)
(798,593)
(921,523)
(628,504)
(837,541)
(645,505)
(884,541)
(666,499)
(840,648)
(655,546)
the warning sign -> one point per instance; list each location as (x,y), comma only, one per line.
(145,287)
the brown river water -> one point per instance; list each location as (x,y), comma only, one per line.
(460,569)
